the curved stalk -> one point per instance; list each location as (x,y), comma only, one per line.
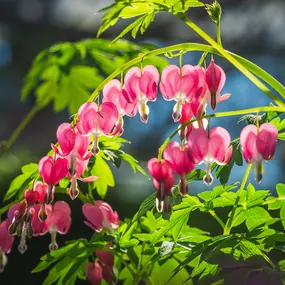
(231,59)
(217,115)
(229,223)
(7,145)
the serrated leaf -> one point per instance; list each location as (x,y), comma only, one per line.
(256,216)
(280,188)
(106,178)
(239,217)
(21,182)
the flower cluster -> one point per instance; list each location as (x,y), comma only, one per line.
(192,87)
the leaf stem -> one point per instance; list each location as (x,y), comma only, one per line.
(216,115)
(219,39)
(231,59)
(8,144)
(229,223)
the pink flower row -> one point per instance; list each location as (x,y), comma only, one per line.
(208,147)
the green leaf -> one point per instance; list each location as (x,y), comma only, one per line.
(256,216)
(66,73)
(239,217)
(281,265)
(280,188)
(21,182)
(176,223)
(195,175)
(145,11)
(106,178)
(249,248)
(215,11)
(282,214)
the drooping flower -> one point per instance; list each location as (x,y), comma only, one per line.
(106,259)
(72,144)
(181,162)
(79,168)
(97,120)
(58,221)
(41,189)
(215,78)
(39,226)
(100,216)
(183,85)
(94,273)
(258,144)
(163,179)
(113,92)
(141,86)
(210,147)
(52,171)
(6,243)
(20,218)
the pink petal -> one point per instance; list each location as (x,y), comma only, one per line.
(6,239)
(60,217)
(159,170)
(220,140)
(94,273)
(186,113)
(148,82)
(179,159)
(215,77)
(41,189)
(105,257)
(66,138)
(198,143)
(266,140)
(80,167)
(108,117)
(39,227)
(59,170)
(89,179)
(81,144)
(45,168)
(248,143)
(131,85)
(88,117)
(94,215)
(224,97)
(170,80)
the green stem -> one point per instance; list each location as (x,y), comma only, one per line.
(231,59)
(216,115)
(219,39)
(229,223)
(217,218)
(19,129)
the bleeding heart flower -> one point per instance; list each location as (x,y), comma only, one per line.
(210,147)
(79,168)
(141,87)
(100,216)
(42,190)
(114,93)
(215,78)
(94,273)
(39,226)
(163,179)
(97,120)
(72,143)
(106,259)
(181,162)
(52,171)
(6,243)
(258,144)
(58,221)
(183,85)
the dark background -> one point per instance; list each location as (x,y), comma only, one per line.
(254,29)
